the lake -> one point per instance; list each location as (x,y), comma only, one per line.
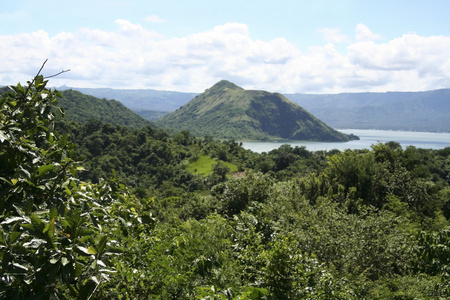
(426,140)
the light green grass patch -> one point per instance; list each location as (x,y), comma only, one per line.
(204,165)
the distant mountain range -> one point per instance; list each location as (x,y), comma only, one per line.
(416,111)
(228,111)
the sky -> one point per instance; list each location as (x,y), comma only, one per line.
(286,46)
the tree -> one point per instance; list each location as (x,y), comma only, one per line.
(51,245)
(221,170)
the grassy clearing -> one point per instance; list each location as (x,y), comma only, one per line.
(204,165)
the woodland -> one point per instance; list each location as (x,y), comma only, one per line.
(227,111)
(96,210)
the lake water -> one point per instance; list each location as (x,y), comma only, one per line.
(426,140)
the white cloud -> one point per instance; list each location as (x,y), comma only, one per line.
(154,19)
(363,33)
(134,57)
(333,35)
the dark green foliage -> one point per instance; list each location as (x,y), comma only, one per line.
(236,194)
(51,242)
(291,224)
(142,99)
(227,111)
(148,159)
(82,108)
(433,252)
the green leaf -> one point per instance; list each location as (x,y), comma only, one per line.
(25,173)
(91,250)
(6,180)
(37,223)
(54,260)
(50,228)
(53,212)
(34,243)
(11,220)
(102,245)
(27,226)
(2,101)
(45,169)
(82,250)
(21,267)
(14,236)
(115,250)
(38,80)
(64,260)
(3,137)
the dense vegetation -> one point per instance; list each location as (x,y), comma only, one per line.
(142,99)
(82,108)
(139,214)
(228,111)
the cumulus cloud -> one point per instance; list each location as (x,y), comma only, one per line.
(134,57)
(333,35)
(154,19)
(363,33)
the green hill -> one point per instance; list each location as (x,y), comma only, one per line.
(228,111)
(81,108)
(141,99)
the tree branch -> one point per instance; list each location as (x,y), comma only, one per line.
(63,71)
(31,83)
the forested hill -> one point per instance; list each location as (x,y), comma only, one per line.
(141,100)
(228,111)
(82,108)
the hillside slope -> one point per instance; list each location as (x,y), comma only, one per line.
(141,99)
(81,108)
(228,111)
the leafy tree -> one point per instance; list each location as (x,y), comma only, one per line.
(51,242)
(236,194)
(433,254)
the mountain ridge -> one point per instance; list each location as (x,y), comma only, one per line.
(228,111)
(411,111)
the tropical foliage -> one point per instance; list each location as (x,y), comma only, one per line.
(96,210)
(83,108)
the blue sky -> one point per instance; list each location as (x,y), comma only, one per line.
(285,46)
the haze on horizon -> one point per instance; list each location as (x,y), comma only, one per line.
(285,46)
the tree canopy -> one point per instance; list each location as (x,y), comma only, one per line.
(99,210)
